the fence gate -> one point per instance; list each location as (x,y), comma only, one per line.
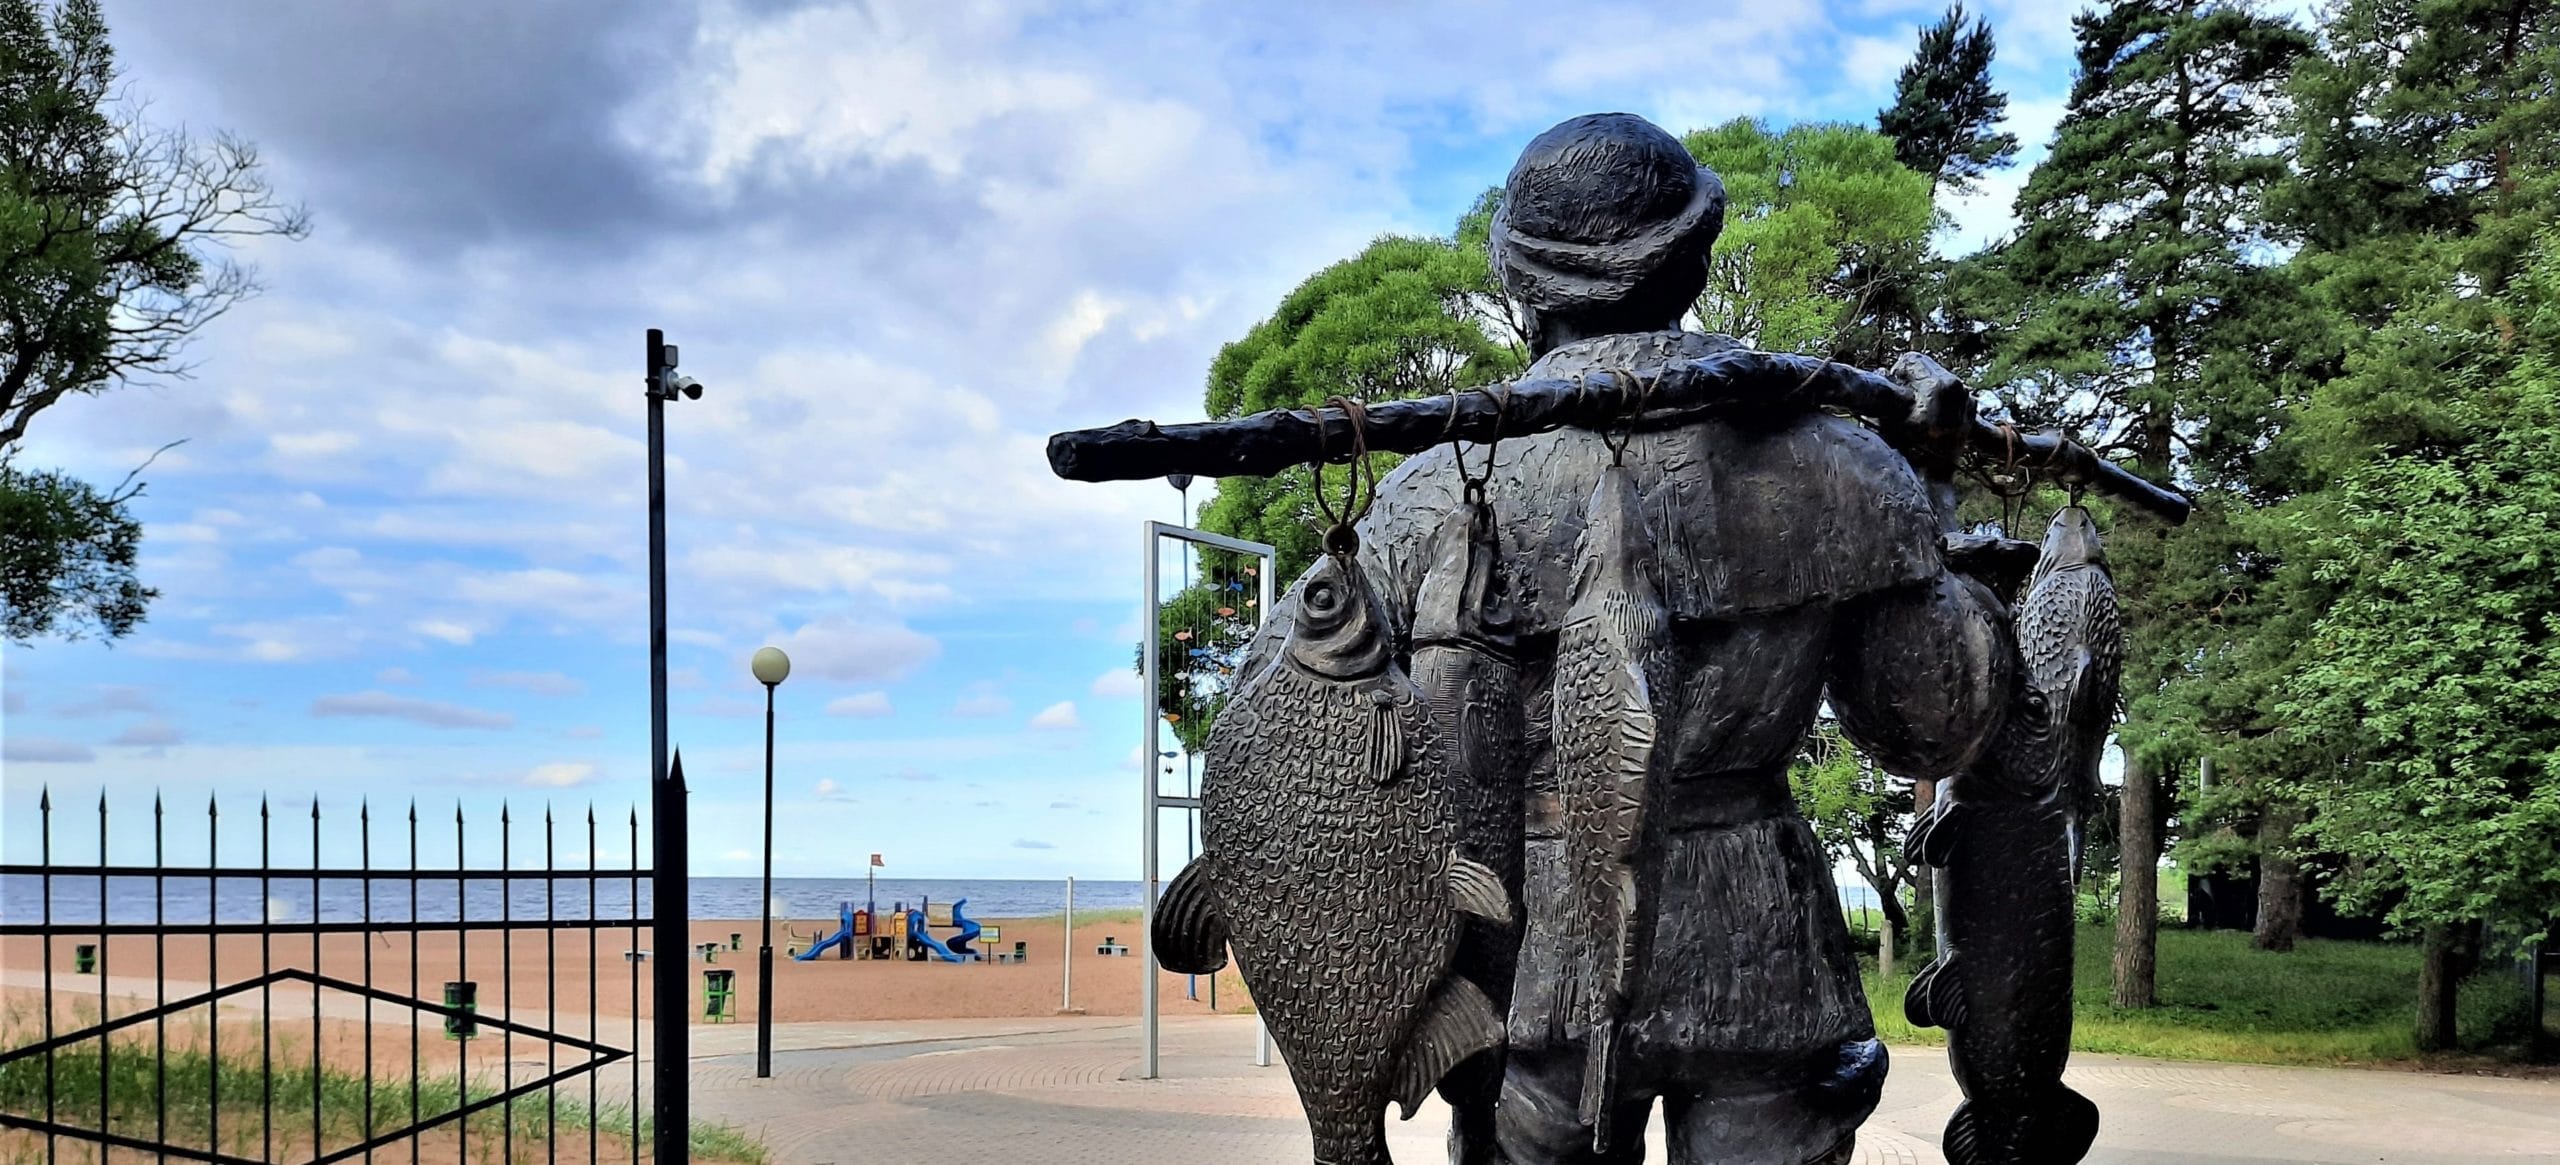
(423,1003)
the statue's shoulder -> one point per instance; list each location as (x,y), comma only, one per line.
(1748,516)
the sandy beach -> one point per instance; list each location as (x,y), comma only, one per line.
(512,970)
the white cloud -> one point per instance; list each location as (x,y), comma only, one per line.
(110,700)
(860,705)
(560,775)
(1119,683)
(1057,717)
(457,634)
(541,683)
(983,699)
(44,750)
(152,733)
(848,649)
(431,713)
(394,675)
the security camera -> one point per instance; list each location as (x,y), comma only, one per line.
(691,388)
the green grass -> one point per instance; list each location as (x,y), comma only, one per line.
(2221,999)
(134,1080)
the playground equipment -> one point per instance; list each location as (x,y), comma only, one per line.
(857,926)
(909,932)
(957,950)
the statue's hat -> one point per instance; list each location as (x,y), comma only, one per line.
(1597,204)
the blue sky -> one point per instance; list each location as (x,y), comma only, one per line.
(402,552)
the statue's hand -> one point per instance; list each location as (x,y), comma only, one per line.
(1941,404)
(1934,435)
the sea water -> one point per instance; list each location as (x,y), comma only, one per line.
(524,898)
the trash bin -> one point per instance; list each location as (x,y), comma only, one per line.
(719,996)
(463,997)
(84,958)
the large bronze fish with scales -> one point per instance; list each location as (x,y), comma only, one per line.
(2005,835)
(1330,862)
(1609,666)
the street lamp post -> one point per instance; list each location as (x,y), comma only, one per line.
(771,667)
(666,788)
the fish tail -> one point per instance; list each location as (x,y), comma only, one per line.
(1360,1143)
(2057,1132)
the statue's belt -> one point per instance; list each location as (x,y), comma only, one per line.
(1705,801)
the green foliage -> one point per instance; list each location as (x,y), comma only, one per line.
(122,1091)
(1945,117)
(2433,673)
(66,558)
(1816,216)
(2136,309)
(1405,317)
(111,258)
(2324,1002)
(110,230)
(1861,814)
(1203,631)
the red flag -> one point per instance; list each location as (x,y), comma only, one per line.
(875,860)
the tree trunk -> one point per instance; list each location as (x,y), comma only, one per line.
(2279,880)
(2138,900)
(2436,979)
(1889,900)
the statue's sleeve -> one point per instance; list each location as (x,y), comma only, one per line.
(1919,673)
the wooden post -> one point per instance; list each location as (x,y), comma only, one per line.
(1884,950)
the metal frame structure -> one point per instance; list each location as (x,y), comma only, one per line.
(1154,800)
(372,883)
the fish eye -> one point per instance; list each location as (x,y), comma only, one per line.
(1321,598)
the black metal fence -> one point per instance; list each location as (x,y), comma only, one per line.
(100,1066)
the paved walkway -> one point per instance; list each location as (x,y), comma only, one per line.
(1064,1091)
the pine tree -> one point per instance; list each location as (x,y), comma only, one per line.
(2128,289)
(1945,117)
(2427,134)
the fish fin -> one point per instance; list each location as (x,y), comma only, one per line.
(1599,1088)
(1386,739)
(1936,997)
(1460,1023)
(1190,937)
(2060,1132)
(1477,890)
(1933,841)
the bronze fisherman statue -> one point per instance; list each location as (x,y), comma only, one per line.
(1536,707)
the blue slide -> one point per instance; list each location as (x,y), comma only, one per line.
(841,939)
(957,951)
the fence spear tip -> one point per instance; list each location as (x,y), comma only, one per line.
(44,799)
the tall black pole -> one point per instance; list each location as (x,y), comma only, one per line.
(668,907)
(764,953)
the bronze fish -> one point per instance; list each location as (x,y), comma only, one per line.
(1609,674)
(1330,862)
(2005,838)
(1466,661)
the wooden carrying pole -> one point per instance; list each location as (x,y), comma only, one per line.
(1739,382)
